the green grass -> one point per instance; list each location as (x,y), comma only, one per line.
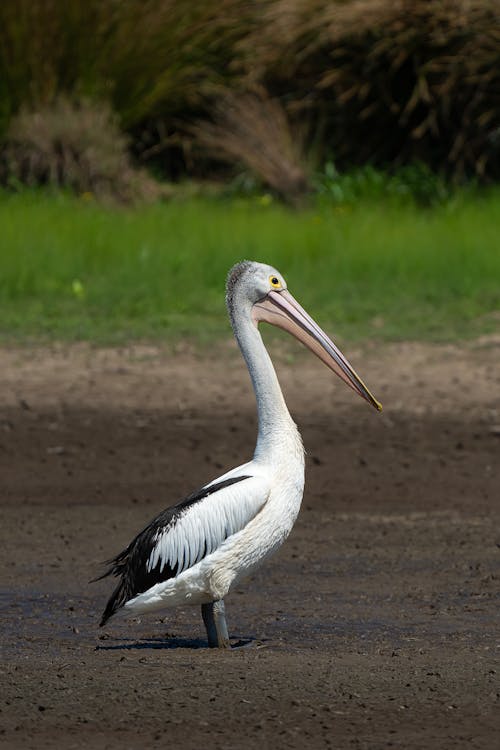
(71,269)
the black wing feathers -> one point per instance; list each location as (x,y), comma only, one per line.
(131,563)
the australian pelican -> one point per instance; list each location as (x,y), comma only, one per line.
(193,552)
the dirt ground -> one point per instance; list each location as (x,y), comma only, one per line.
(376,625)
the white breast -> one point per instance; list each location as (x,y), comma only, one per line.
(243,552)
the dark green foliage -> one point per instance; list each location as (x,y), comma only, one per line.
(387,83)
(47,48)
(150,58)
(413,183)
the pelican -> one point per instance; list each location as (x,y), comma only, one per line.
(195,551)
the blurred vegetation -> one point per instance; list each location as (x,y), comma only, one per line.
(74,269)
(79,147)
(274,88)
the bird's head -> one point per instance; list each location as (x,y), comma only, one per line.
(253,281)
(263,289)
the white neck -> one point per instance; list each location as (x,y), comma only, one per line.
(277,431)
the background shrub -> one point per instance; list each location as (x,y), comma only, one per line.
(76,146)
(252,130)
(369,82)
(389,82)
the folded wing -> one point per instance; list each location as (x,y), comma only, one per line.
(181,536)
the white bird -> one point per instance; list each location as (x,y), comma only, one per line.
(195,551)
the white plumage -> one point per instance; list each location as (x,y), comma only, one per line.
(200,531)
(195,551)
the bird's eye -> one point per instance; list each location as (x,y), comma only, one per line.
(275,282)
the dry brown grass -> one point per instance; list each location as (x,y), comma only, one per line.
(76,146)
(391,81)
(252,129)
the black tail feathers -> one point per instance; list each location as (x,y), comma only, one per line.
(116,600)
(119,595)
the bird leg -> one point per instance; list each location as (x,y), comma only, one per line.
(214,617)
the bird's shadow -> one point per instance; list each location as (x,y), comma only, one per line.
(173,643)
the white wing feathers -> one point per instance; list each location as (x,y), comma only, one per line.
(203,527)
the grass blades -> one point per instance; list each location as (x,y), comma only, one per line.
(74,270)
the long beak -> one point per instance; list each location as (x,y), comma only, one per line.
(282,310)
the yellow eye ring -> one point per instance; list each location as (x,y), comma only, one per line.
(275,282)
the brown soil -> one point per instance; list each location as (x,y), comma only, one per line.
(375,626)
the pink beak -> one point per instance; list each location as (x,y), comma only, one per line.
(282,310)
